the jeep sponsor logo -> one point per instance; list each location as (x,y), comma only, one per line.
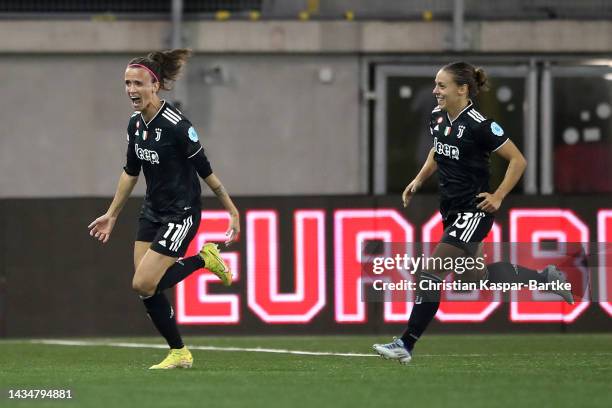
(446,149)
(147,155)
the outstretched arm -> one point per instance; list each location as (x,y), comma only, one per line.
(429,167)
(102,226)
(216,187)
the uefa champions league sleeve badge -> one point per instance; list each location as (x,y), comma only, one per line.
(496,129)
(193,135)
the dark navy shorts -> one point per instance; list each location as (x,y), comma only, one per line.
(466,230)
(170,238)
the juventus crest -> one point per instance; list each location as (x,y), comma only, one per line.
(460,133)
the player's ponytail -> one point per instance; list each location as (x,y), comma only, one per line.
(466,74)
(481,78)
(164,66)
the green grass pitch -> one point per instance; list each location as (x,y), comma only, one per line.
(447,371)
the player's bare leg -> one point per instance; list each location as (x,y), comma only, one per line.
(150,270)
(140,249)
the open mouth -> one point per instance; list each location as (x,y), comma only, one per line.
(135,100)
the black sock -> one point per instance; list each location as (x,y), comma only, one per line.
(505,272)
(425,307)
(179,271)
(162,315)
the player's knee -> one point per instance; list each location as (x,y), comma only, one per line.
(143,287)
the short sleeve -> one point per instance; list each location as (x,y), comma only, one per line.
(132,163)
(490,135)
(188,139)
(431,124)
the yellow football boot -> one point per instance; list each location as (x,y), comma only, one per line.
(176,358)
(214,263)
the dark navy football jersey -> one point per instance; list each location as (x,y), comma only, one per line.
(162,148)
(462,150)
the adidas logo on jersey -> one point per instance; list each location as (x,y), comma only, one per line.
(162,243)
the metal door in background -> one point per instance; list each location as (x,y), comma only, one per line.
(576,129)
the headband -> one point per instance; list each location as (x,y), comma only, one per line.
(145,67)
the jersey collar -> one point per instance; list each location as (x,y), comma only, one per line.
(161,108)
(469,105)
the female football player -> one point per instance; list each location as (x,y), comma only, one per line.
(463,140)
(163,143)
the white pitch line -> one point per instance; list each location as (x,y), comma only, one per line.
(208,348)
(277,351)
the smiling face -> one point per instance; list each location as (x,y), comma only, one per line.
(449,95)
(141,88)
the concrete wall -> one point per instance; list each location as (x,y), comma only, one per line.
(317,37)
(270,126)
(63,125)
(273,127)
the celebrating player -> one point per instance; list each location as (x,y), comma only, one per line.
(165,145)
(462,142)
